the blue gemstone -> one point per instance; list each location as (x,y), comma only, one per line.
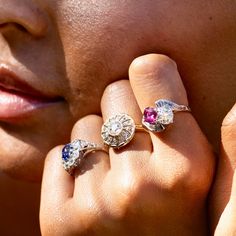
(66,152)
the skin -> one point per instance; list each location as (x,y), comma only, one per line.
(134,184)
(71,45)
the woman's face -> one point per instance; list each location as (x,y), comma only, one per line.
(69,51)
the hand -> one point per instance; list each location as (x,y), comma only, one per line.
(156,185)
(223,194)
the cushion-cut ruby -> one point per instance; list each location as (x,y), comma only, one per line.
(150,115)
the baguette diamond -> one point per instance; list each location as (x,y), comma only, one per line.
(118,130)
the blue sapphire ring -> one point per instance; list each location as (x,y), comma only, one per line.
(73,153)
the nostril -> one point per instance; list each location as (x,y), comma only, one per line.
(25,16)
(12,24)
(3,25)
(6,26)
(20,27)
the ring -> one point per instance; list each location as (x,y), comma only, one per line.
(119,130)
(158,118)
(73,153)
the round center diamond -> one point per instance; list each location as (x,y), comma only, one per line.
(115,128)
(118,130)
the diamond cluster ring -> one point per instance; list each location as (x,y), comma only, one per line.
(119,130)
(156,119)
(73,153)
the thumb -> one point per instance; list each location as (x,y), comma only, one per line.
(222,188)
(228,135)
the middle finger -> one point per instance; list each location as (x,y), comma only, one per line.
(119,98)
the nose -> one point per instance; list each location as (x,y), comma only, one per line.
(23,14)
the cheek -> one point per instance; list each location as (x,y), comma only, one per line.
(95,51)
(101,40)
(103,37)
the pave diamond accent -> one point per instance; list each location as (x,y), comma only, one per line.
(118,130)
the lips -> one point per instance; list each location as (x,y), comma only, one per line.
(18,98)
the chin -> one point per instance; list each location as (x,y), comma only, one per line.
(20,159)
(22,167)
(24,146)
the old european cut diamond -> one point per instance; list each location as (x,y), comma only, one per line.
(118,130)
(115,128)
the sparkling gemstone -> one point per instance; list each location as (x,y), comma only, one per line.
(165,114)
(66,152)
(115,128)
(118,130)
(150,115)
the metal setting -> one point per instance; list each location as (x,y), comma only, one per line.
(119,130)
(73,153)
(156,119)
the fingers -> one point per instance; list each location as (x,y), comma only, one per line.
(227,162)
(154,77)
(57,184)
(118,98)
(229,136)
(89,129)
(225,185)
(95,165)
(181,151)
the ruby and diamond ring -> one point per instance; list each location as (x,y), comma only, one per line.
(156,119)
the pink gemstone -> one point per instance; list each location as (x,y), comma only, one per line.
(150,115)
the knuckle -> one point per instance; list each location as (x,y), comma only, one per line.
(52,222)
(188,179)
(121,197)
(172,183)
(90,213)
(153,63)
(129,194)
(85,121)
(117,90)
(163,61)
(129,190)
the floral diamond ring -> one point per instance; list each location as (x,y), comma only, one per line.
(119,130)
